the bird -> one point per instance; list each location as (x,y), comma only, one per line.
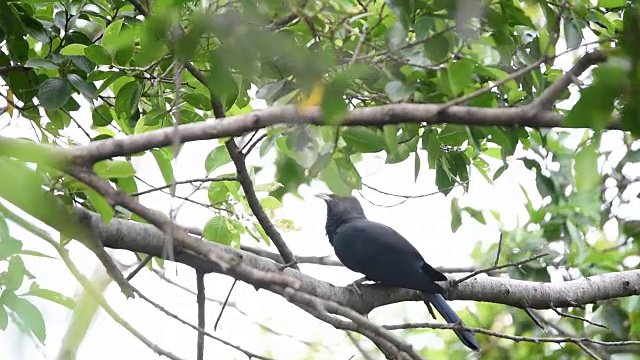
(384,256)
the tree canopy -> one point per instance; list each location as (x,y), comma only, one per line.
(302,93)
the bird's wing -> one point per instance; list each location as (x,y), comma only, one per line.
(382,254)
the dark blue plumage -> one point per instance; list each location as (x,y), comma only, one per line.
(383,255)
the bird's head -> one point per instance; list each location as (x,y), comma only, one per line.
(341,209)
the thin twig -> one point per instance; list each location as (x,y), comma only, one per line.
(356,343)
(514,264)
(557,340)
(499,250)
(577,318)
(224,305)
(181,182)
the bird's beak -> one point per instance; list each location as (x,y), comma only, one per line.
(323,196)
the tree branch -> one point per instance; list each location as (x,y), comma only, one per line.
(121,234)
(289,114)
(552,93)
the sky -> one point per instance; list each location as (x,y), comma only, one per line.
(425,222)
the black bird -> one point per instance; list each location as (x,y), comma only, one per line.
(385,256)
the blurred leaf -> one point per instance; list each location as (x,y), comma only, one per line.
(127,99)
(586,168)
(28,313)
(572,33)
(348,173)
(609,4)
(53,93)
(51,295)
(363,139)
(15,274)
(113,169)
(4,317)
(396,91)
(101,205)
(270,203)
(460,73)
(456,219)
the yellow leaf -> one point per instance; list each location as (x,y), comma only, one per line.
(10,102)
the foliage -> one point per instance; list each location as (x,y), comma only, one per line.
(61,58)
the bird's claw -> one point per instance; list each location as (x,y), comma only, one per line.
(356,285)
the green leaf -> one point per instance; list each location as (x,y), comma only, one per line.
(572,33)
(127,184)
(453,135)
(216,158)
(269,187)
(54,93)
(348,173)
(36,63)
(390,132)
(124,54)
(217,229)
(29,314)
(110,80)
(113,169)
(73,50)
(262,233)
(101,115)
(586,168)
(456,219)
(396,91)
(437,48)
(88,90)
(100,204)
(221,83)
(609,4)
(270,203)
(444,182)
(15,274)
(127,99)
(459,74)
(4,318)
(51,295)
(110,35)
(163,159)
(98,54)
(363,139)
(477,215)
(334,180)
(9,246)
(416,166)
(217,193)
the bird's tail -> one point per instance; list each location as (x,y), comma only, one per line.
(451,317)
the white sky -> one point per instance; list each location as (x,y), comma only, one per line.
(425,222)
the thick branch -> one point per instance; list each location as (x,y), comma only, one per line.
(238,125)
(146,238)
